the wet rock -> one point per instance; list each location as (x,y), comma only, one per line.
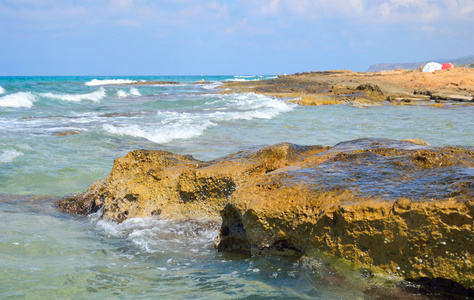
(392,207)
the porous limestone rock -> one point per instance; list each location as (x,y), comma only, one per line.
(391,206)
(146,183)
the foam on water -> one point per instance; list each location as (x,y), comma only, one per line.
(184,129)
(9,155)
(173,125)
(133,91)
(95,82)
(250,78)
(95,96)
(157,235)
(20,99)
(211,86)
(122,93)
(2,90)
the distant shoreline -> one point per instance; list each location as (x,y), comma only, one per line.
(455,86)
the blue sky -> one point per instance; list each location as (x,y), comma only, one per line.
(187,37)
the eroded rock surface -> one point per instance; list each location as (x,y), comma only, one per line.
(394,207)
(146,183)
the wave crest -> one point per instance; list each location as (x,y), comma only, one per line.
(183,129)
(2,90)
(20,99)
(95,96)
(173,125)
(133,91)
(95,82)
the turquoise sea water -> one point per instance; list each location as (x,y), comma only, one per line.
(60,134)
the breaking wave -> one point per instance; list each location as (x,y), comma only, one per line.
(211,86)
(95,96)
(95,82)
(184,129)
(173,125)
(2,90)
(20,99)
(133,91)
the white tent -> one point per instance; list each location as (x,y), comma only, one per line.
(431,67)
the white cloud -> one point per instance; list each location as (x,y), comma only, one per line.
(367,11)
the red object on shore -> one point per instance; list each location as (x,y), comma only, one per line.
(447,66)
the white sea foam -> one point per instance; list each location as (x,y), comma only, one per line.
(133,91)
(255,103)
(9,155)
(211,86)
(173,125)
(2,90)
(245,76)
(164,133)
(122,93)
(95,82)
(251,78)
(95,96)
(158,235)
(20,99)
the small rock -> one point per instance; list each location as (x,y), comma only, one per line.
(416,141)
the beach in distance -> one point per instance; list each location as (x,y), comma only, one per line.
(322,185)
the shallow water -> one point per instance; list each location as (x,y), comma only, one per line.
(46,254)
(60,134)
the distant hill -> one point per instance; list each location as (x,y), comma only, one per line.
(467,61)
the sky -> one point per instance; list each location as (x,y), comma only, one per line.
(227,37)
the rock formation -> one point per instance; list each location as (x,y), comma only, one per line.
(362,89)
(391,206)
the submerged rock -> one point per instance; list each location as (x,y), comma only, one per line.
(391,206)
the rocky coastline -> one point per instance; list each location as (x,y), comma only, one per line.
(454,86)
(395,208)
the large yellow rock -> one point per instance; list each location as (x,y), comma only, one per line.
(393,207)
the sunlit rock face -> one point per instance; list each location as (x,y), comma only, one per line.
(146,183)
(392,206)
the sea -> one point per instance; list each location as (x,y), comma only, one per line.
(60,134)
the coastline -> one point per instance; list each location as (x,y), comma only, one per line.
(72,130)
(373,89)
